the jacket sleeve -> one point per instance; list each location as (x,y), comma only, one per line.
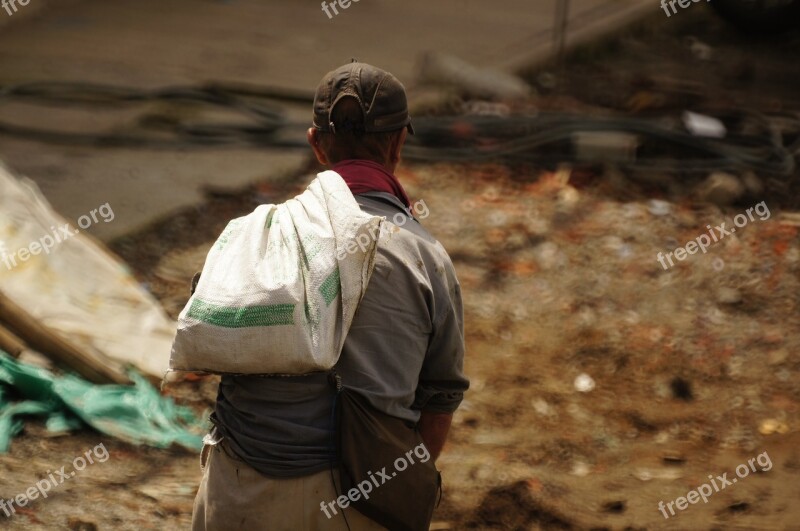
(442,382)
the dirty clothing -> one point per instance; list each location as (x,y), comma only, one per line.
(271,457)
(234,496)
(404,353)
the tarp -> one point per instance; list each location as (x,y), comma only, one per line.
(137,413)
(76,288)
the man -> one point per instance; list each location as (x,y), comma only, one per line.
(269,458)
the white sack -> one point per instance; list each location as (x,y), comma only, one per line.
(280,287)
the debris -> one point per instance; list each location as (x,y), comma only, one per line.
(584,383)
(78,524)
(542,407)
(644,100)
(726,295)
(31,357)
(616,507)
(136,414)
(605,146)
(776,357)
(702,125)
(486,108)
(752,183)
(86,363)
(426,101)
(516,507)
(10,342)
(700,49)
(163,488)
(567,199)
(721,189)
(673,459)
(790,218)
(437,68)
(657,207)
(738,507)
(580,469)
(771,426)
(548,255)
(547,80)
(681,389)
(647,474)
(76,303)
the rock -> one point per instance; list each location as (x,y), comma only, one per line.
(738,507)
(548,255)
(674,459)
(616,507)
(580,469)
(517,506)
(728,296)
(647,474)
(584,383)
(770,426)
(721,189)
(657,207)
(752,183)
(776,357)
(681,389)
(567,199)
(76,524)
(542,407)
(702,125)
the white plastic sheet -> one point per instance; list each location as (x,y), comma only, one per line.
(76,287)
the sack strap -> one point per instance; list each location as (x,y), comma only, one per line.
(336,382)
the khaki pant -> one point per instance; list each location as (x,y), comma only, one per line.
(234,496)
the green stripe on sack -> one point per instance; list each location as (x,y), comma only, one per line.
(330,288)
(227,317)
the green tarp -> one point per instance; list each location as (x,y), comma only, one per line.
(135,413)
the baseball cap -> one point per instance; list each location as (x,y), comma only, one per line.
(380,95)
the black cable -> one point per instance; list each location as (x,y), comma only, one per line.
(545,138)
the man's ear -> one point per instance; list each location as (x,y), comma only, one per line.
(312,135)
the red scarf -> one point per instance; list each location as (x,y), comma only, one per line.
(363,176)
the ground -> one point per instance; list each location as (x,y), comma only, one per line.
(602,383)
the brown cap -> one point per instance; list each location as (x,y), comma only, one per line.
(381,96)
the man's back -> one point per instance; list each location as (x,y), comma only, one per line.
(404,352)
(270,463)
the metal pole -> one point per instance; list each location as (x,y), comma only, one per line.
(560,29)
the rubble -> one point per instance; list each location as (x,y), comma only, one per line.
(437,68)
(721,189)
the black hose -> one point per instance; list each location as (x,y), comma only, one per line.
(544,138)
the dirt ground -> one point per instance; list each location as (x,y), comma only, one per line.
(602,384)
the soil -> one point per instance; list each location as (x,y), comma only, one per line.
(602,382)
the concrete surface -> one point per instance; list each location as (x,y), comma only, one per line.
(147,43)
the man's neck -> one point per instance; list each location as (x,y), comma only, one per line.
(388,166)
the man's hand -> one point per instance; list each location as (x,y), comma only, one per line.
(434,427)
